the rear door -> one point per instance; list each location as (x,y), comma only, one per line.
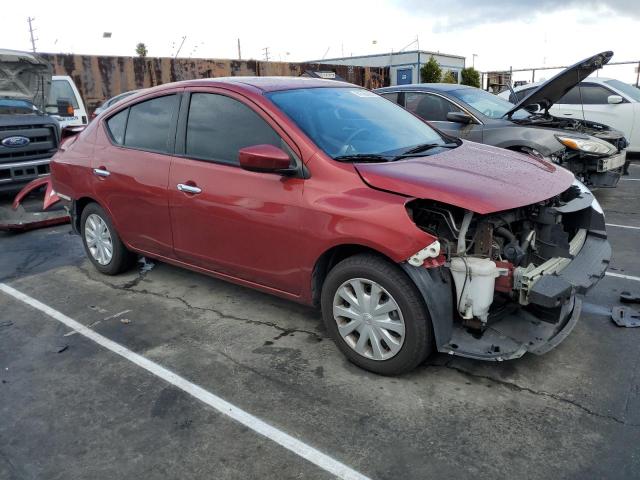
(131,170)
(434,109)
(234,222)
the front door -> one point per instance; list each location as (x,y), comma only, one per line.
(232,221)
(435,108)
(591,101)
(131,171)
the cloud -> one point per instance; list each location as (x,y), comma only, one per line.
(455,14)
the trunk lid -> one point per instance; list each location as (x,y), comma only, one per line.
(476,177)
(24,76)
(556,87)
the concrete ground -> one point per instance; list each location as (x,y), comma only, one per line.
(70,409)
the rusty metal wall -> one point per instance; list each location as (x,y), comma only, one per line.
(99,78)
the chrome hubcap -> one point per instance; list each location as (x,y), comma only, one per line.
(369,319)
(98,238)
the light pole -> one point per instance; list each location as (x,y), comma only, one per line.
(473,60)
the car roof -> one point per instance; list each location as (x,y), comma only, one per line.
(433,87)
(263,84)
(586,80)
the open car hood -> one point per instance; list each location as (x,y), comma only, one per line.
(476,177)
(24,76)
(556,87)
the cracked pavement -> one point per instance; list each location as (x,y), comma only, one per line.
(84,413)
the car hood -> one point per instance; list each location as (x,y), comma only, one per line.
(475,177)
(556,87)
(24,76)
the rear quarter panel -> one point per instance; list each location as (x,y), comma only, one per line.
(71,166)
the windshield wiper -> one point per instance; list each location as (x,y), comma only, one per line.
(363,157)
(426,146)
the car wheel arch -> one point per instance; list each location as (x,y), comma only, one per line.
(80,204)
(331,257)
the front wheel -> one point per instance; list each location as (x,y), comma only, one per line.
(375,315)
(102,243)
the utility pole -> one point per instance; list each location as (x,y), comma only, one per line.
(180,47)
(31,30)
(239,54)
(266,53)
(473,61)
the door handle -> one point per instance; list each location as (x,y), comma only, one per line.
(101,172)
(568,114)
(188,188)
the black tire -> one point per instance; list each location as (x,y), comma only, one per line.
(418,341)
(122,258)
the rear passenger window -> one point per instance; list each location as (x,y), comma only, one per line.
(219,126)
(150,123)
(116,126)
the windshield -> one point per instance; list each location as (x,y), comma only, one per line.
(354,121)
(60,90)
(486,103)
(629,90)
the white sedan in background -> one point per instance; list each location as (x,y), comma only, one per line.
(606,100)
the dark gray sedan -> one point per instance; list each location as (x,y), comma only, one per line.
(594,152)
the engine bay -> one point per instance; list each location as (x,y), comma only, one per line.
(495,259)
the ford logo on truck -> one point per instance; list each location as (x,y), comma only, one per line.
(16,141)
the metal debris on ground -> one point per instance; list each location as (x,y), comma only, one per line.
(147,265)
(625,317)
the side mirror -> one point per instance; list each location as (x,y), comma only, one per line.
(65,109)
(613,99)
(459,117)
(71,131)
(532,108)
(265,158)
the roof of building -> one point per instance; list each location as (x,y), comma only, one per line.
(426,52)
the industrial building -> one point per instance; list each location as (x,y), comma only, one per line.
(404,66)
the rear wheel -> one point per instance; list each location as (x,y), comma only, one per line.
(102,243)
(375,315)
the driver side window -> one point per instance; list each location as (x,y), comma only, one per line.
(219,126)
(430,107)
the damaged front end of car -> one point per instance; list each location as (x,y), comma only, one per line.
(510,282)
(594,152)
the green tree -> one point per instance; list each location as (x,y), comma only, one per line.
(470,76)
(449,77)
(431,71)
(141,49)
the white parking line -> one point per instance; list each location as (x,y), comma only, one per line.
(626,277)
(622,226)
(292,444)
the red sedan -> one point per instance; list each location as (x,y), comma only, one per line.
(328,194)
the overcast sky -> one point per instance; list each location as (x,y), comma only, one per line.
(521,33)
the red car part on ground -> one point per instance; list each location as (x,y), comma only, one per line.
(19,219)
